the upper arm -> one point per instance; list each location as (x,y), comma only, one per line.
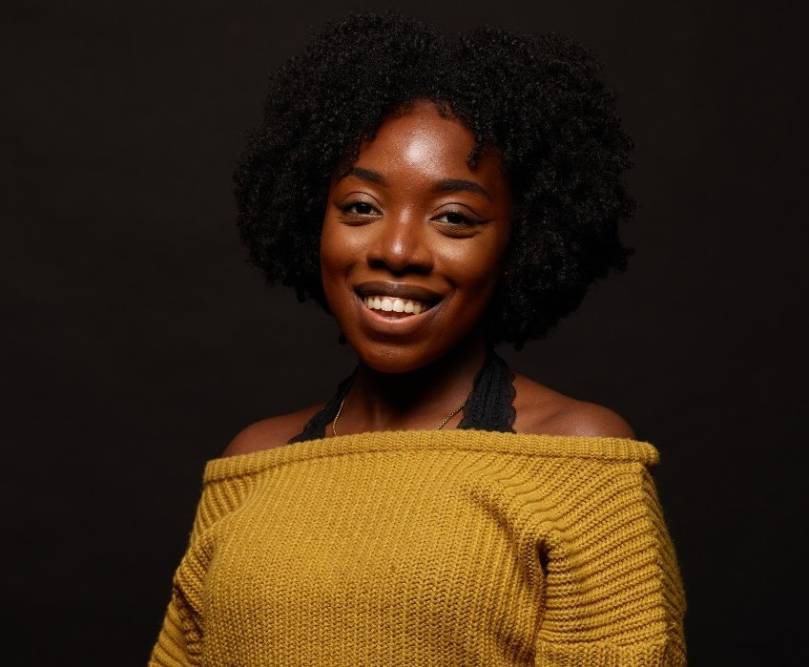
(589,419)
(613,589)
(179,639)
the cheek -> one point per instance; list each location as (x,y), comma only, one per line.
(340,252)
(476,266)
(336,250)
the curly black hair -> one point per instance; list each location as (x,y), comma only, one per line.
(539,99)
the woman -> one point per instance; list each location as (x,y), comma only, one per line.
(436,196)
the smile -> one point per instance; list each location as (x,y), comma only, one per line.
(376,321)
(395,308)
(395,305)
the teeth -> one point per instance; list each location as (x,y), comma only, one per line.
(391,304)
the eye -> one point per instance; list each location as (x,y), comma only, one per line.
(456,218)
(358,208)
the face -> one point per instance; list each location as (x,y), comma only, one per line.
(413,240)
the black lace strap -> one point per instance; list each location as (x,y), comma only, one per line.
(489,406)
(316,426)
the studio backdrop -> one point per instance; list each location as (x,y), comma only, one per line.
(137,339)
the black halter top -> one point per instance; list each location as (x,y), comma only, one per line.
(489,406)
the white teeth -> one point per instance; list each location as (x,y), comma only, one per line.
(396,305)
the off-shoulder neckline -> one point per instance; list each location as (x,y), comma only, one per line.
(526,444)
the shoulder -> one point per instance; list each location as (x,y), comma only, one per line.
(270,432)
(542,410)
(582,418)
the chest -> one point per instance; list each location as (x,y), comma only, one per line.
(379,554)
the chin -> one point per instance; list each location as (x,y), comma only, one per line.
(394,359)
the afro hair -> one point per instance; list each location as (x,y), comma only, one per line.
(538,99)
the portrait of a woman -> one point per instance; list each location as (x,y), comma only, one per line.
(437,195)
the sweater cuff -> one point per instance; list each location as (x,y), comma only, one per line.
(667,653)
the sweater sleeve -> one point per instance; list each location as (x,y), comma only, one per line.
(179,642)
(613,590)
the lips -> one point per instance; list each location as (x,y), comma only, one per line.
(398,290)
(387,325)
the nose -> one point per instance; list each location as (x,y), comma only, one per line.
(401,244)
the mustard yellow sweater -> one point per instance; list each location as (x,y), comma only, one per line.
(421,548)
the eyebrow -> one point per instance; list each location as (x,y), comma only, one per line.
(447,185)
(461,185)
(367,175)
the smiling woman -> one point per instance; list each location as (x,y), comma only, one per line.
(412,220)
(436,196)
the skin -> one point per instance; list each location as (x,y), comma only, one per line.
(393,218)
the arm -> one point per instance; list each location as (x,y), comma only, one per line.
(613,591)
(172,647)
(179,643)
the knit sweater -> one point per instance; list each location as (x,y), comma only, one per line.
(422,548)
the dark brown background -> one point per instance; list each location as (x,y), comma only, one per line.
(136,340)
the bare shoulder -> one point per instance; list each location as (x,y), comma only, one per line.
(270,432)
(542,410)
(582,418)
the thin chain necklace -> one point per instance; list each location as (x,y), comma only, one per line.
(445,420)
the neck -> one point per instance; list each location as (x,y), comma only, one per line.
(419,399)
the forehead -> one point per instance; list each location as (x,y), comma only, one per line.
(420,133)
(420,142)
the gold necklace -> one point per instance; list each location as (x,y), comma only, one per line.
(340,409)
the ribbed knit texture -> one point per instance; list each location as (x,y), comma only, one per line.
(417,548)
